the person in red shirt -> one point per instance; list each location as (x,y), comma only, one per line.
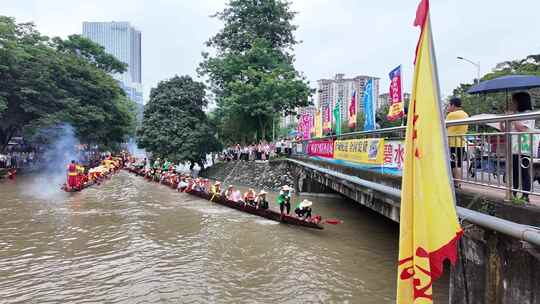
(72,175)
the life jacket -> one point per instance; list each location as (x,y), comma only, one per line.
(72,170)
(249,196)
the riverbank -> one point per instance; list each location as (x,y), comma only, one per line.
(267,175)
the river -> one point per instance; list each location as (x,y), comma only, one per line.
(131,241)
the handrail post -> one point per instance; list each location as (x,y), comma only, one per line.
(509,161)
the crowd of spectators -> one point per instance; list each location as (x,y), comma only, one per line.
(20,157)
(258,151)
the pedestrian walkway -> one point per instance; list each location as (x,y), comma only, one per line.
(493,193)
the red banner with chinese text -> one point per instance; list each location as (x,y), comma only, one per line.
(322,148)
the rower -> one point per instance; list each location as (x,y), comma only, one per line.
(205,184)
(284,199)
(249,198)
(72,175)
(80,176)
(216,188)
(166,166)
(156,165)
(304,209)
(229,193)
(261,200)
(233,195)
(182,184)
(197,185)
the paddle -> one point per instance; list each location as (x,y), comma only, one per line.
(333,221)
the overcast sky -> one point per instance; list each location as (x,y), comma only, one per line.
(339,36)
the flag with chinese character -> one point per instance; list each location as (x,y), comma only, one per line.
(429,227)
(395,110)
(369,109)
(337,117)
(352,111)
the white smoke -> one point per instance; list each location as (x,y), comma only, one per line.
(60,152)
(134,150)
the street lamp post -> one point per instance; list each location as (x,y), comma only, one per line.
(476,64)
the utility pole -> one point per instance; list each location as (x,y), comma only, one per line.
(476,64)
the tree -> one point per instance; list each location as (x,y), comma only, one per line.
(174,125)
(252,75)
(496,102)
(45,82)
(248,20)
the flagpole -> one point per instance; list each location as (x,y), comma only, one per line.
(444,135)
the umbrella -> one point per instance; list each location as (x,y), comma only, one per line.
(506,83)
(293,133)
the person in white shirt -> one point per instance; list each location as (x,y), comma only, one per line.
(521,144)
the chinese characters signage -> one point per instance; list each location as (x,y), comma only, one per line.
(364,151)
(323,148)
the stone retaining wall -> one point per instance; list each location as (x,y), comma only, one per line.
(269,175)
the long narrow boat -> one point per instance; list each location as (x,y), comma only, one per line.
(89,183)
(266,213)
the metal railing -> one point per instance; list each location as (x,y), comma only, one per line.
(492,153)
(522,232)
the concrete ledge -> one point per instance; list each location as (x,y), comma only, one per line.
(485,200)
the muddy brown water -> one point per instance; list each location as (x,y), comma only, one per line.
(131,241)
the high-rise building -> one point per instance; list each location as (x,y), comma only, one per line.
(341,89)
(124,42)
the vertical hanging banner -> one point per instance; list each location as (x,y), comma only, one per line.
(369,109)
(318,124)
(308,124)
(305,125)
(352,111)
(395,110)
(337,117)
(327,124)
(429,229)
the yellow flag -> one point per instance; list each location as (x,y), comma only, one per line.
(318,124)
(429,228)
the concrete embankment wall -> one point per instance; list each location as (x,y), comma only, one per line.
(269,175)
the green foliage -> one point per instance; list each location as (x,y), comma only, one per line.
(497,102)
(248,20)
(174,125)
(382,118)
(252,75)
(92,52)
(45,82)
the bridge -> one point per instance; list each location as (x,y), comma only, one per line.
(499,255)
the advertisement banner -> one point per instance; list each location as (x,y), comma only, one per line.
(394,154)
(364,151)
(395,110)
(322,148)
